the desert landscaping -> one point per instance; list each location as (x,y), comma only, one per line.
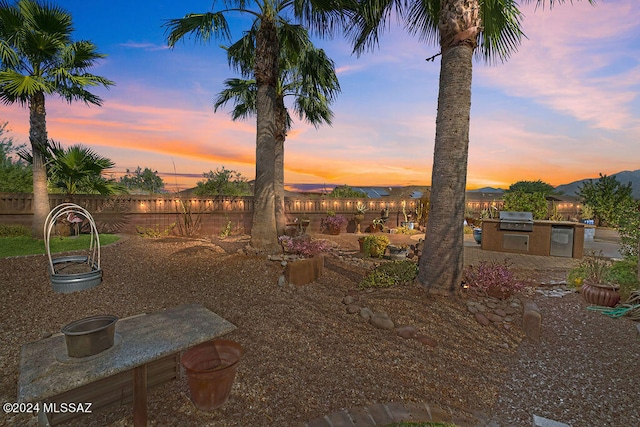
(307,356)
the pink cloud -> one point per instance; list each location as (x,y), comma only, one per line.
(560,68)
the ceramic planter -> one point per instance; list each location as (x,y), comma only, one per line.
(211,369)
(397,252)
(477,235)
(601,294)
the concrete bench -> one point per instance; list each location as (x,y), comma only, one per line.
(146,352)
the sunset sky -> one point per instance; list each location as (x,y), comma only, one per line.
(564,107)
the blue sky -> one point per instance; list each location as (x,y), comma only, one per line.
(564,107)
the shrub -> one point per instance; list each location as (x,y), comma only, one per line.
(526,202)
(346,191)
(390,274)
(493,277)
(14,231)
(334,221)
(374,245)
(598,269)
(624,274)
(304,246)
(593,267)
(629,229)
(155,231)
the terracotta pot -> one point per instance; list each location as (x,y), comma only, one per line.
(334,231)
(599,294)
(211,369)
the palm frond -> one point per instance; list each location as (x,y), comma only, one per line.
(421,18)
(241,55)
(552,3)
(203,27)
(370,21)
(325,17)
(502,30)
(243,93)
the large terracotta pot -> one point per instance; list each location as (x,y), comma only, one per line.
(211,368)
(600,294)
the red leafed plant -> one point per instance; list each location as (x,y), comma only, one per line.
(493,278)
(305,247)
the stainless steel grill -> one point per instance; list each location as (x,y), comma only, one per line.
(516,221)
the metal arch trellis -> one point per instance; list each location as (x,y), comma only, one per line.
(75,281)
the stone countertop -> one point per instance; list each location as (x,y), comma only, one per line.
(543,222)
(46,370)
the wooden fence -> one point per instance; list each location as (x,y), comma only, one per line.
(126,213)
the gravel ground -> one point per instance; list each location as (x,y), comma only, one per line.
(306,357)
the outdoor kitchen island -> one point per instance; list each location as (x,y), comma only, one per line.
(526,236)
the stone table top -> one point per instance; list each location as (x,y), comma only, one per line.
(44,372)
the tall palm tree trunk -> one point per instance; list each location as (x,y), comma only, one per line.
(442,259)
(281,120)
(38,138)
(264,236)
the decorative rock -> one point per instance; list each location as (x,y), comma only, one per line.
(406,332)
(281,280)
(507,326)
(482,319)
(382,321)
(532,321)
(348,300)
(493,317)
(428,341)
(472,309)
(539,421)
(509,310)
(366,313)
(491,304)
(481,307)
(353,308)
(500,312)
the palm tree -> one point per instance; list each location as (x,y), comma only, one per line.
(76,170)
(306,74)
(488,28)
(268,15)
(40,58)
(79,170)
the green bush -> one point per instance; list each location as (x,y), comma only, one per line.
(624,274)
(14,231)
(526,202)
(346,191)
(374,245)
(390,274)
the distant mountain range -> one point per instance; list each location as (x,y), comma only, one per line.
(624,178)
(570,189)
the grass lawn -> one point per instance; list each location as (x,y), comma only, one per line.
(21,245)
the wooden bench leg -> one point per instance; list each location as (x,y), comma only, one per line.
(140,396)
